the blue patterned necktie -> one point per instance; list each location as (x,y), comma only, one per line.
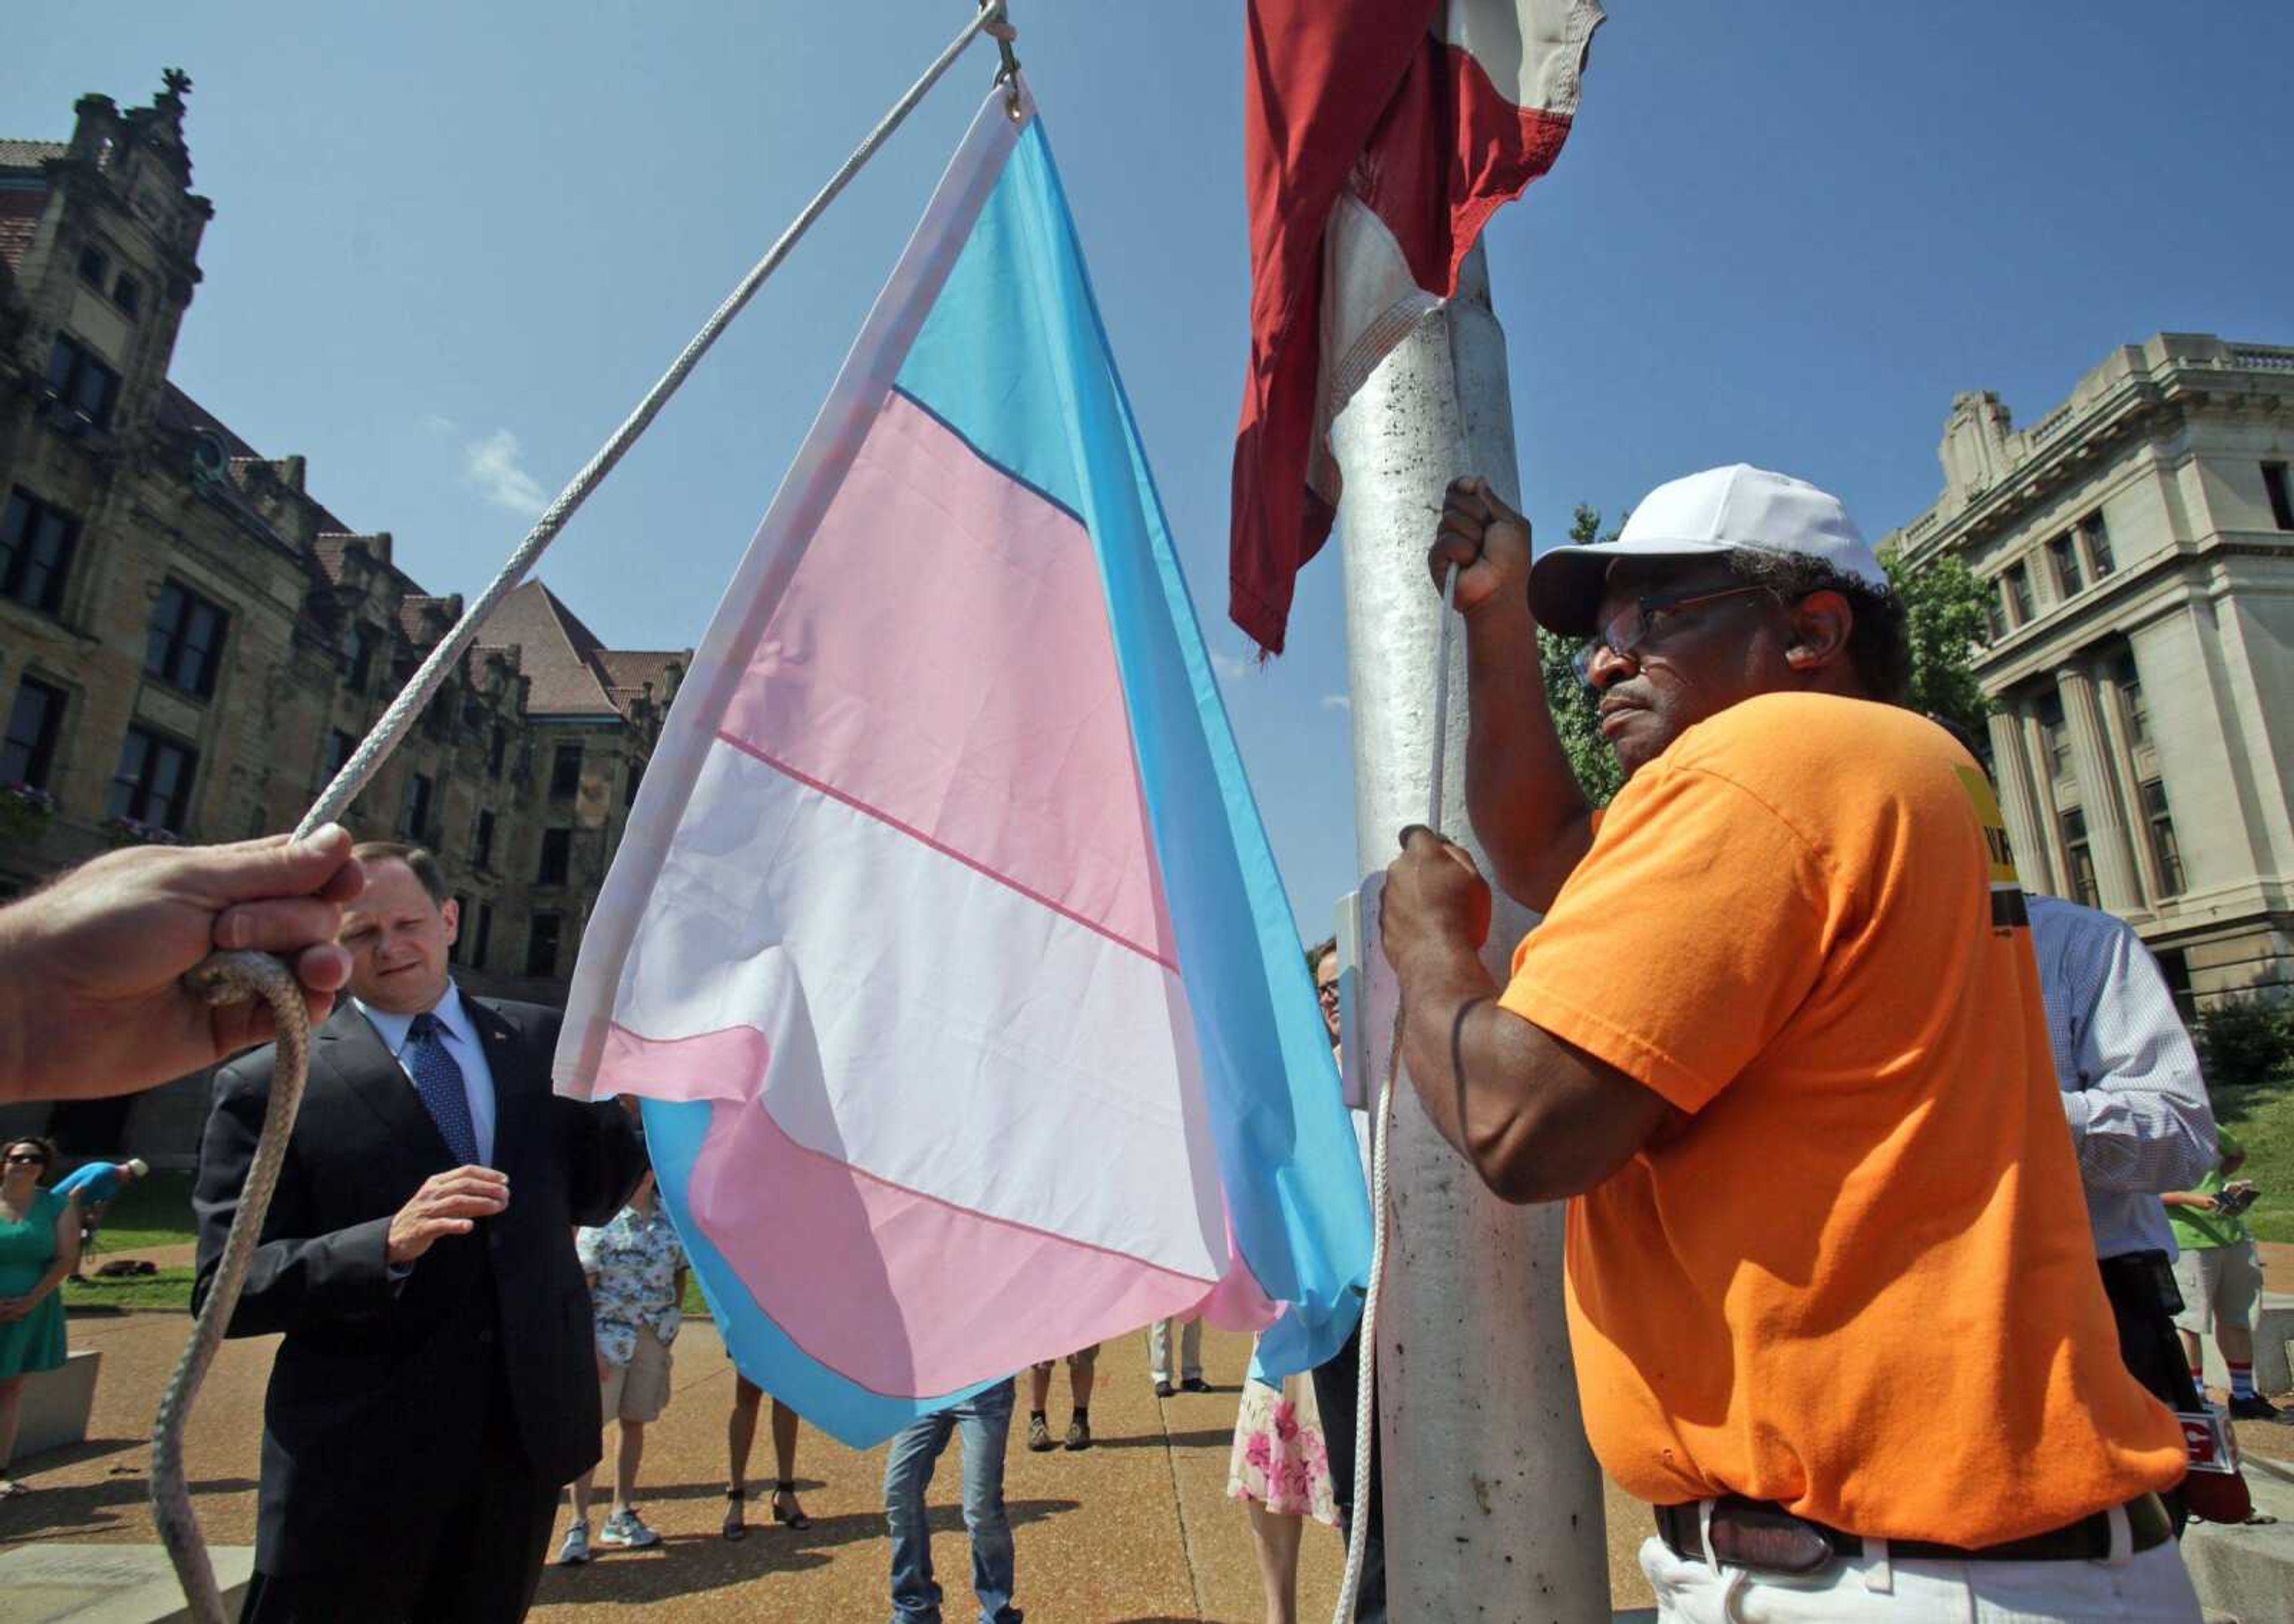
(439,1081)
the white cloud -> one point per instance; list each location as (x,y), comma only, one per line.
(1337,702)
(436,424)
(491,466)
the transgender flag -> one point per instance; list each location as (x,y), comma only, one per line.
(945,946)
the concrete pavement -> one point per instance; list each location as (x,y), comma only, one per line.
(1137,1530)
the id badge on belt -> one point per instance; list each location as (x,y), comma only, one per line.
(2209,1440)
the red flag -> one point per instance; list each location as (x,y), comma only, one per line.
(1380,135)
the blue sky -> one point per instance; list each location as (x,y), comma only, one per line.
(454,244)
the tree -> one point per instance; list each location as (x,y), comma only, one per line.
(1944,614)
(1571,701)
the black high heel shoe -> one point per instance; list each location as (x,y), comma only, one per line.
(785,1489)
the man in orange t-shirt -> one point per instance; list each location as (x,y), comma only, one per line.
(1780,1041)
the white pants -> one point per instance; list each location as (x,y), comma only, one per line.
(2151,1587)
(1191,1351)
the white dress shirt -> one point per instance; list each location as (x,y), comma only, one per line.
(460,1039)
(2137,1107)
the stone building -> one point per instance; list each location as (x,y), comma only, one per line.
(2137,542)
(191,643)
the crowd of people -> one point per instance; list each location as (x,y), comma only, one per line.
(1896,1208)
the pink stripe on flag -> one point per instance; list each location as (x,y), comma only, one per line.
(899,1292)
(958,679)
(725,1065)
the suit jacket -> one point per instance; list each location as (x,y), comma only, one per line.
(382,1386)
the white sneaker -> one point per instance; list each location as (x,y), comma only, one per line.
(626,1528)
(575,1551)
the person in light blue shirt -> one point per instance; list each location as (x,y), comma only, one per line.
(95,1187)
(2142,1126)
(2133,1095)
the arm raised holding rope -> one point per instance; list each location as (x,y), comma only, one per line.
(1522,796)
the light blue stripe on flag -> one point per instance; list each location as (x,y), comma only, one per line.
(1015,359)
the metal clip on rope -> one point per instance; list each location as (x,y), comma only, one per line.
(229,978)
(1000,30)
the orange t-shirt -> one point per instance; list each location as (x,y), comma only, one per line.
(1859,1280)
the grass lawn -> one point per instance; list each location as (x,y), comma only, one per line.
(151,1212)
(168,1288)
(2261,1115)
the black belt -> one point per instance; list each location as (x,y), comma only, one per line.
(1762,1534)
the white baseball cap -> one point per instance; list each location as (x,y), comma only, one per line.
(1721,510)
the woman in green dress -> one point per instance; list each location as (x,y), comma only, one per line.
(39,1246)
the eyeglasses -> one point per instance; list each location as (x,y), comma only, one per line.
(1642,622)
(33,1156)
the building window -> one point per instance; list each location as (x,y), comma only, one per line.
(542,945)
(1995,617)
(127,293)
(2055,732)
(94,266)
(2084,888)
(556,857)
(2281,507)
(566,773)
(2096,534)
(82,382)
(2164,847)
(481,844)
(37,542)
(496,744)
(481,949)
(362,672)
(340,746)
(185,646)
(2063,553)
(2130,697)
(153,784)
(629,785)
(33,723)
(418,789)
(2018,580)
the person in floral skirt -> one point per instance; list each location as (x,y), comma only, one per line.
(1280,1474)
(1280,1469)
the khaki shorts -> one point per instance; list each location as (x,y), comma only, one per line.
(637,1390)
(2219,1286)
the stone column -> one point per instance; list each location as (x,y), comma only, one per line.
(2119,753)
(2099,797)
(2011,768)
(2044,815)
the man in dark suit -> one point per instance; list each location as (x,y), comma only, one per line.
(436,1385)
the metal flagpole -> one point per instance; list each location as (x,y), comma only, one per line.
(1493,1502)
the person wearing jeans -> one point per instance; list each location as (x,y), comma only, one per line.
(985,1420)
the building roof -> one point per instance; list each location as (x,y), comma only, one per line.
(630,671)
(559,654)
(414,611)
(19,221)
(16,154)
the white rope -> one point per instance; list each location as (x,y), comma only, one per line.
(228,977)
(1381,1126)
